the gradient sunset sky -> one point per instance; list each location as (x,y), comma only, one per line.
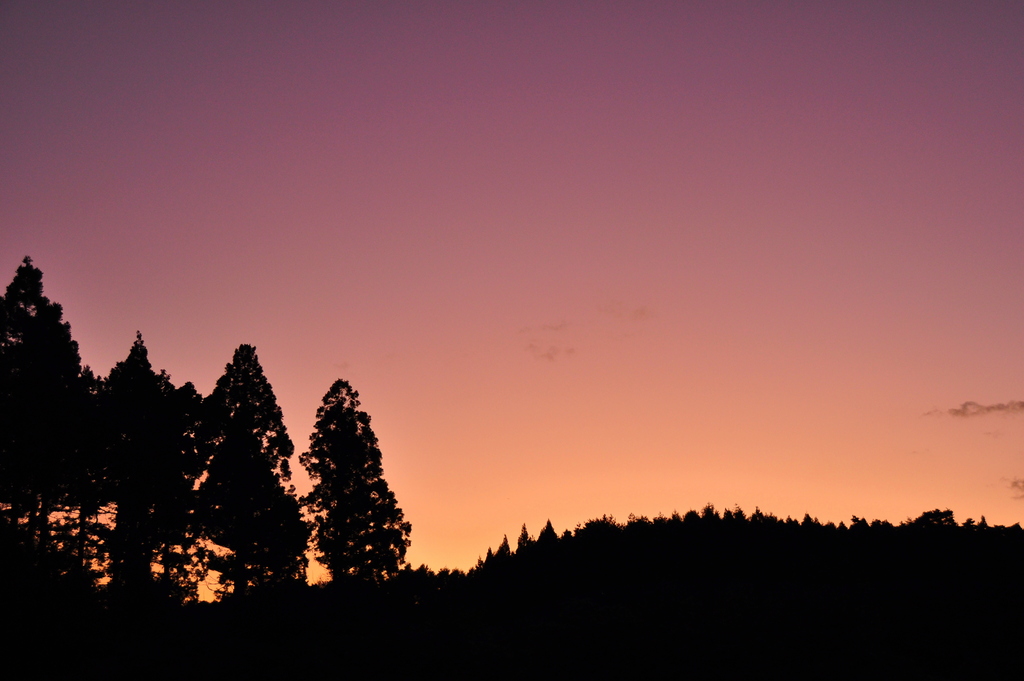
(578,258)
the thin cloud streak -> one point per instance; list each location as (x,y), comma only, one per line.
(550,352)
(968,409)
(620,310)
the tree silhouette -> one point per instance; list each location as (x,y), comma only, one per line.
(548,538)
(45,400)
(248,513)
(525,541)
(359,529)
(153,466)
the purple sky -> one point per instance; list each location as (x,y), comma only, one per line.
(578,258)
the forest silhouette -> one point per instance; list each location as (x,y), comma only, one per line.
(120,495)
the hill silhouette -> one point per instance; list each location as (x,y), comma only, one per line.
(715,594)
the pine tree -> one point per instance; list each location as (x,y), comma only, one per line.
(358,528)
(248,513)
(153,466)
(45,402)
(525,541)
(547,538)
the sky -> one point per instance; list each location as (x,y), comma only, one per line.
(578,258)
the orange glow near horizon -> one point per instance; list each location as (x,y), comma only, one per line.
(577,262)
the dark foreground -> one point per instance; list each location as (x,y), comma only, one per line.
(697,596)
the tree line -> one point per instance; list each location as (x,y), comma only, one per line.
(732,545)
(728,593)
(133,488)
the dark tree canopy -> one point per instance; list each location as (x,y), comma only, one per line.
(44,411)
(248,511)
(358,528)
(153,465)
(243,397)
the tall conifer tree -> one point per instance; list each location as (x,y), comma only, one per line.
(153,466)
(359,529)
(247,510)
(45,397)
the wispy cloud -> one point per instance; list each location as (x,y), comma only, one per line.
(968,409)
(558,340)
(1017,485)
(544,328)
(550,352)
(620,310)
